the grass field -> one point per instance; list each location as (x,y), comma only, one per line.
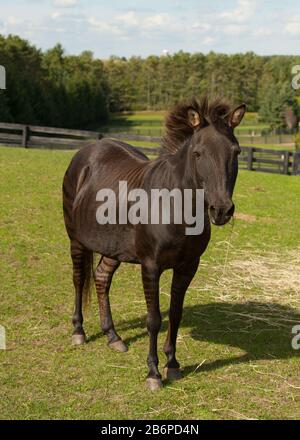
(235,340)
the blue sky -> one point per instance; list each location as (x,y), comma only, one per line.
(143,27)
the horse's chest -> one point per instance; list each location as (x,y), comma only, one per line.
(170,250)
(188,249)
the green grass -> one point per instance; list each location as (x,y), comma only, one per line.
(141,116)
(280,147)
(235,340)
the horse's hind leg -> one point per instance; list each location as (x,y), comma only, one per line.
(103,277)
(79,257)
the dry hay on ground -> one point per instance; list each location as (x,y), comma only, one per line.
(253,275)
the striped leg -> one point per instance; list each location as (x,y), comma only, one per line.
(180,283)
(79,255)
(103,277)
(150,276)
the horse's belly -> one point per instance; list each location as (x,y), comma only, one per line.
(113,241)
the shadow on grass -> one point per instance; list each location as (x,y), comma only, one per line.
(261,330)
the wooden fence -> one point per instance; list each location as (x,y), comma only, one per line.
(30,136)
(27,136)
(270,161)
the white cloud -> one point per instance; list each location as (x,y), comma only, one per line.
(156,21)
(234,29)
(262,32)
(208,41)
(57,15)
(202,27)
(13,21)
(12,24)
(293,27)
(243,12)
(102,26)
(65,3)
(142,21)
(130,19)
(139,24)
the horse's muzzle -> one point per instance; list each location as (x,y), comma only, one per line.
(220,215)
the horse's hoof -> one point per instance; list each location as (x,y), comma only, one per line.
(153,384)
(118,346)
(78,339)
(173,373)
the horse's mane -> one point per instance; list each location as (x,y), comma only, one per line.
(177,126)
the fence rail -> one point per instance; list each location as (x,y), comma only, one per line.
(29,136)
(270,161)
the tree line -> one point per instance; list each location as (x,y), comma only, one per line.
(53,88)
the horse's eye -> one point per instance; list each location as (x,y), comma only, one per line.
(197,154)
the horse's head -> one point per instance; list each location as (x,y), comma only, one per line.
(207,130)
(214,156)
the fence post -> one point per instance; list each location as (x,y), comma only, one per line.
(250,159)
(286,161)
(25,136)
(296,164)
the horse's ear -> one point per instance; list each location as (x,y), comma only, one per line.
(193,118)
(236,116)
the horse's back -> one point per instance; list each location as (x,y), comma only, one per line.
(99,165)
(107,151)
(103,154)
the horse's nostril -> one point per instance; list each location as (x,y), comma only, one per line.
(216,213)
(213,211)
(220,214)
(230,211)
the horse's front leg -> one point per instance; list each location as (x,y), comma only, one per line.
(180,282)
(150,277)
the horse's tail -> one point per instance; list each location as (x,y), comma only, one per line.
(88,277)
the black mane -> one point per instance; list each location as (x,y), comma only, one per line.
(178,128)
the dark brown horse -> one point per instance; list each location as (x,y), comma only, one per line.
(199,151)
